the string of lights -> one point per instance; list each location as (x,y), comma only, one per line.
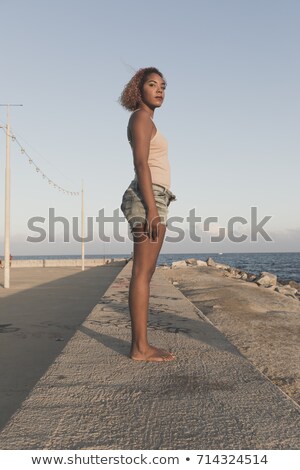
(38,170)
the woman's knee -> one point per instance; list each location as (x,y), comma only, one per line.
(142,271)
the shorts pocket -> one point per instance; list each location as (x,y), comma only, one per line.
(161,201)
(159,192)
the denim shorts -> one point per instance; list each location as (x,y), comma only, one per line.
(133,206)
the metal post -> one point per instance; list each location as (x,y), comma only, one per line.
(7,200)
(7,207)
(82,228)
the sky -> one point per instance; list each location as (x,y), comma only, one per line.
(231,117)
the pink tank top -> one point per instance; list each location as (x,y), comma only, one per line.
(158,160)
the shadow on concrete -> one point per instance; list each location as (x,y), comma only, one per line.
(115,344)
(161,318)
(36,323)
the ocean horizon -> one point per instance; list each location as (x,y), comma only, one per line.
(285,265)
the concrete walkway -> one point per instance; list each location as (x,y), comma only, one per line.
(94,397)
(39,314)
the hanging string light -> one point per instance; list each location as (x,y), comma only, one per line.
(38,170)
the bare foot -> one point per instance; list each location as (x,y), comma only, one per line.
(152,354)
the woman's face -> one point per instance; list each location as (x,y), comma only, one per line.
(153,91)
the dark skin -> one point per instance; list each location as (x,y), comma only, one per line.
(148,239)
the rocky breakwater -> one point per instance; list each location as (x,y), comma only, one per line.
(264,279)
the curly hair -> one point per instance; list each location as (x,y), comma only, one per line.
(131,95)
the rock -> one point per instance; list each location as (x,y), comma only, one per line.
(210,262)
(293,296)
(191,262)
(286,290)
(179,264)
(222,266)
(175,283)
(295,285)
(233,272)
(251,277)
(267,279)
(201,263)
(266,273)
(244,276)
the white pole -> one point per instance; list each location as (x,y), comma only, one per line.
(82,228)
(7,200)
(7,207)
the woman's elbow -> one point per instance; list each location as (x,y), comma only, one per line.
(141,166)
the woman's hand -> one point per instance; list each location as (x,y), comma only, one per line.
(152,224)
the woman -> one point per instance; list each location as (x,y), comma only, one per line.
(145,202)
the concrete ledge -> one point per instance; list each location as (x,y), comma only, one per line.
(75,262)
(47,263)
(27,263)
(94,397)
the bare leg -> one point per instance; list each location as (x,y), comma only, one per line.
(146,252)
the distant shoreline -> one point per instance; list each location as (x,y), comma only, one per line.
(286,265)
(125,255)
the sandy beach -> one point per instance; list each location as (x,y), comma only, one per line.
(263,325)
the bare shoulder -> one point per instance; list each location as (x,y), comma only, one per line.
(140,119)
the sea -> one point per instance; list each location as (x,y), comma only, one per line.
(285,265)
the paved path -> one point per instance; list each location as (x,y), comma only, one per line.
(94,397)
(38,315)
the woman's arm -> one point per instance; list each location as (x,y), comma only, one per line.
(141,128)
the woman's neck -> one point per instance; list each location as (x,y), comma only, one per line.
(147,109)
